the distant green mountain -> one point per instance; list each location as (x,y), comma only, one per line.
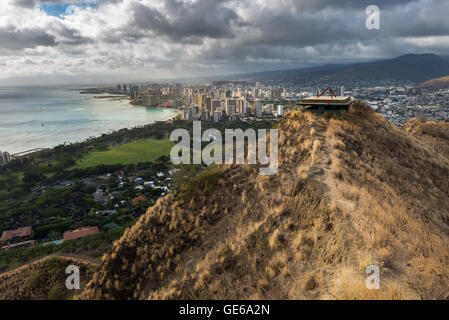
(411,67)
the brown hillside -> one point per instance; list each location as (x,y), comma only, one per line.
(439,83)
(43,279)
(350,192)
(431,133)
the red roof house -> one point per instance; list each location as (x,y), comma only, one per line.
(138,200)
(80,233)
(16,234)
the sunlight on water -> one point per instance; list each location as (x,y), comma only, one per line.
(41,118)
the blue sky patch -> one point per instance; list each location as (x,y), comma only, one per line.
(60,9)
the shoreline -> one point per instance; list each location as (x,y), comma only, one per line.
(45,119)
(108,132)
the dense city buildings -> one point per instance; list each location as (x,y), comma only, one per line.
(229,100)
(212,102)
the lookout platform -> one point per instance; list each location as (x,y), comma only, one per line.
(323,102)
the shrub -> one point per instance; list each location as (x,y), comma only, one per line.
(202,183)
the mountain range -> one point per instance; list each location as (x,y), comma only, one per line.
(411,67)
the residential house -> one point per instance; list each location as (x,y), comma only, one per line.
(23,232)
(80,233)
(138,200)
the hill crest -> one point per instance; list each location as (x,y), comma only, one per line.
(351,191)
(436,84)
(43,279)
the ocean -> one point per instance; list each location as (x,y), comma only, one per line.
(46,117)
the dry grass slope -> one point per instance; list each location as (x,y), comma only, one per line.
(431,133)
(351,191)
(43,279)
(438,83)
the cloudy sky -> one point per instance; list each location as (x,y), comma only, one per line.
(150,39)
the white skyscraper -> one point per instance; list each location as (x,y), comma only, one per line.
(280,112)
(4,158)
(243,107)
(342,93)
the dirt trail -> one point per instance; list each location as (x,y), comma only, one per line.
(323,163)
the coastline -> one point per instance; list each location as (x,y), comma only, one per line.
(55,117)
(108,133)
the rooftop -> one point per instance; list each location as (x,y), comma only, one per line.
(330,100)
(80,233)
(18,233)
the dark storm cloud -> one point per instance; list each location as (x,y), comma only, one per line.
(12,39)
(308,30)
(180,20)
(299,23)
(226,35)
(331,31)
(25,3)
(32,3)
(66,35)
(315,5)
(427,18)
(232,31)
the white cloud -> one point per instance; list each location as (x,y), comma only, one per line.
(168,38)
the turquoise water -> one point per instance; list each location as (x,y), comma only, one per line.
(56,242)
(42,118)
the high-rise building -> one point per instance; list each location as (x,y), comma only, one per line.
(241,106)
(207,104)
(205,115)
(276,93)
(280,112)
(215,106)
(239,92)
(187,114)
(255,93)
(152,97)
(4,158)
(196,110)
(269,108)
(217,116)
(258,108)
(198,100)
(231,105)
(342,92)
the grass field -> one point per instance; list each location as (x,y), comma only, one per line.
(132,152)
